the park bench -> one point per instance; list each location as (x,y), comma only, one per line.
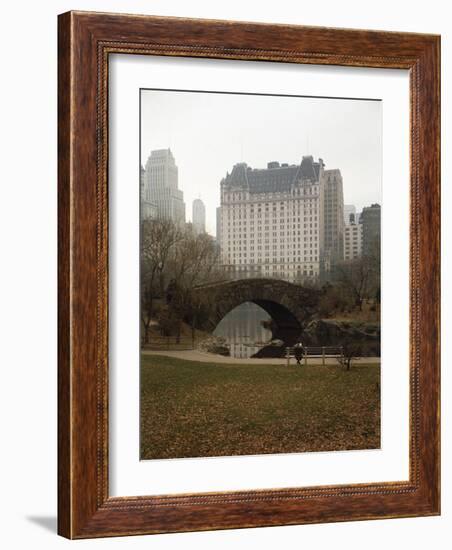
(317,352)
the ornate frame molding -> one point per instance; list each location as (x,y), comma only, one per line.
(85,42)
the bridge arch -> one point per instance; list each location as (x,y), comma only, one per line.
(289,305)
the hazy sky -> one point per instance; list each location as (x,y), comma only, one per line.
(209,132)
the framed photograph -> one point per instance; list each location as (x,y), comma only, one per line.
(248,275)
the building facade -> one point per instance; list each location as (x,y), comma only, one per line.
(349,209)
(148,209)
(334,216)
(142,178)
(199,216)
(273,220)
(161,188)
(218,225)
(371,222)
(353,240)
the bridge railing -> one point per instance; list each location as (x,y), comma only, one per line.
(323,352)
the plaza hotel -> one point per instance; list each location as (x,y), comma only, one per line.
(284,221)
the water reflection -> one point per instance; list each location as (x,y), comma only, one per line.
(242,328)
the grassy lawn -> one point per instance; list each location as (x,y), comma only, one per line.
(191,409)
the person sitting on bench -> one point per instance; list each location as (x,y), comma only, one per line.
(298,351)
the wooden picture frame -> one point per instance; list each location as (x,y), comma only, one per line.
(86,40)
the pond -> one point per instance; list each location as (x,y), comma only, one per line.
(242,328)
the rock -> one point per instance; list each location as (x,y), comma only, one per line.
(275,348)
(214,344)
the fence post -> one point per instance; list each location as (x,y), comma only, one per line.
(342,354)
(306,357)
(288,356)
(323,355)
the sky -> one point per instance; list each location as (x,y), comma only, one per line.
(210,132)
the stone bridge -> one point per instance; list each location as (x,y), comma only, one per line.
(289,305)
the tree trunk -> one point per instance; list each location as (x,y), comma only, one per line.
(147,331)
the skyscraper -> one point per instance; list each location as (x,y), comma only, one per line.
(142,177)
(353,233)
(349,209)
(334,216)
(161,186)
(148,209)
(199,216)
(371,221)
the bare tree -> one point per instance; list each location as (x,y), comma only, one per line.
(350,350)
(174,260)
(359,277)
(332,300)
(158,239)
(195,262)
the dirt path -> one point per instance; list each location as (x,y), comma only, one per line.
(204,357)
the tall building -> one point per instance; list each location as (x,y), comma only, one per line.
(199,216)
(272,220)
(348,210)
(371,222)
(148,209)
(218,225)
(161,186)
(355,218)
(142,177)
(334,216)
(353,240)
